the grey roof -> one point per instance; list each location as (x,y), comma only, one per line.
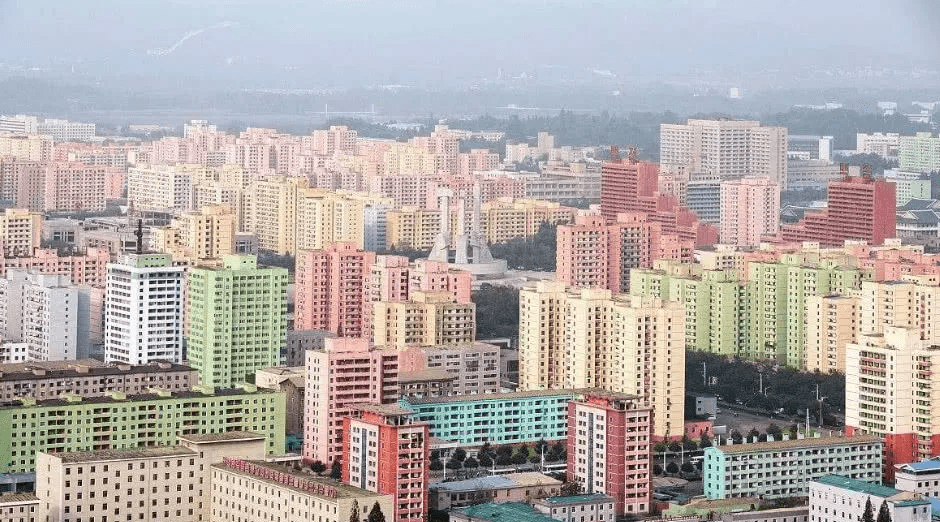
(918,204)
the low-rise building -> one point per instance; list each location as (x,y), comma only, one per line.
(19,507)
(779,469)
(497,418)
(787,514)
(920,477)
(290,381)
(498,512)
(594,507)
(511,487)
(835,498)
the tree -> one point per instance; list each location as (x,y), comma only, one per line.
(336,472)
(688,467)
(558,447)
(453,463)
(436,465)
(869,514)
(497,311)
(505,449)
(503,460)
(354,512)
(672,468)
(736,437)
(376,515)
(318,467)
(675,447)
(660,447)
(485,460)
(753,434)
(541,446)
(883,514)
(519,458)
(460,455)
(705,441)
(535,459)
(485,449)
(688,444)
(657,469)
(471,463)
(775,431)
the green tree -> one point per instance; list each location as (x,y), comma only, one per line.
(460,454)
(436,465)
(376,515)
(672,468)
(883,514)
(688,467)
(471,463)
(354,512)
(485,460)
(336,472)
(869,514)
(318,467)
(454,464)
(705,441)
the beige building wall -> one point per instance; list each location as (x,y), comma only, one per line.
(911,303)
(428,319)
(20,231)
(831,324)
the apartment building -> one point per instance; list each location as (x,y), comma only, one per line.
(102,423)
(386,451)
(208,233)
(79,187)
(289,380)
(89,378)
(786,468)
(237,320)
(332,290)
(750,210)
(87,269)
(347,372)
(835,498)
(473,367)
(33,147)
(160,187)
(497,418)
(20,232)
(426,319)
(144,310)
(919,153)
(589,338)
(42,311)
(919,477)
(890,378)
(609,437)
(727,148)
(832,323)
(885,145)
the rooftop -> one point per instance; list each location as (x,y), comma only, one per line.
(425,375)
(226,436)
(382,409)
(529,478)
(514,511)
(342,490)
(80,368)
(124,454)
(922,466)
(108,399)
(16,498)
(902,498)
(812,442)
(492,396)
(578,499)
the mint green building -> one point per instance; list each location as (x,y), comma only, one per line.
(237,320)
(72,423)
(919,153)
(781,469)
(497,418)
(760,317)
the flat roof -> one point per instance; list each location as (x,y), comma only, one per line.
(431,374)
(904,498)
(812,442)
(515,511)
(107,399)
(492,396)
(578,499)
(225,436)
(342,490)
(382,409)
(509,480)
(124,454)
(81,368)
(18,498)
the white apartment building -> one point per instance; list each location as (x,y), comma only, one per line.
(159,187)
(920,477)
(884,145)
(64,130)
(41,311)
(726,148)
(834,498)
(144,310)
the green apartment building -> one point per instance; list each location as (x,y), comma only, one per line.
(919,153)
(73,423)
(497,418)
(238,320)
(762,317)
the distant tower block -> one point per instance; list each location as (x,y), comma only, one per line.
(467,250)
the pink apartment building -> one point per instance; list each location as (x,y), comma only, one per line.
(332,291)
(594,254)
(750,210)
(347,372)
(89,269)
(72,186)
(477,160)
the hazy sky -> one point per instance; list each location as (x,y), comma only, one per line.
(338,43)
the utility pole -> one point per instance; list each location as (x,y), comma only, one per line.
(760,388)
(704,374)
(820,400)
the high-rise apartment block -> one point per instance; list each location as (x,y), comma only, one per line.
(633,186)
(891,383)
(159,187)
(338,139)
(79,187)
(20,232)
(860,208)
(750,210)
(591,338)
(332,290)
(727,148)
(42,311)
(347,372)
(608,447)
(22,181)
(884,145)
(919,153)
(594,254)
(26,148)
(237,320)
(472,367)
(387,452)
(477,160)
(832,323)
(426,319)
(208,233)
(143,310)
